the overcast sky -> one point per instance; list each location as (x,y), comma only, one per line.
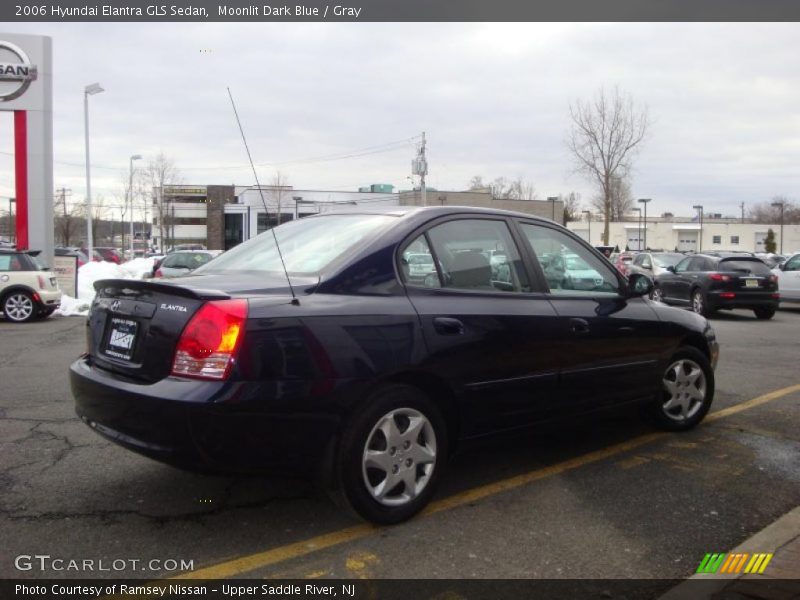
(724,100)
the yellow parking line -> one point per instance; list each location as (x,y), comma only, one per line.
(280,554)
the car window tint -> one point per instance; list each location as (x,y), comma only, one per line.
(793,264)
(569,268)
(416,264)
(5,262)
(683,265)
(754,267)
(478,254)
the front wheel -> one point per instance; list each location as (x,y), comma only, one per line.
(764,313)
(392,455)
(687,390)
(19,307)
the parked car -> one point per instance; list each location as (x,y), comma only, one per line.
(709,283)
(622,260)
(571,272)
(82,258)
(654,264)
(183,262)
(771,260)
(104,253)
(788,274)
(27,289)
(344,365)
(180,247)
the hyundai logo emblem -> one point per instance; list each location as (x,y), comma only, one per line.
(115,305)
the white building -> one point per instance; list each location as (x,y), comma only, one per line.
(685,234)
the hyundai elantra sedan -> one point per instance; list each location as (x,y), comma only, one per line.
(317,347)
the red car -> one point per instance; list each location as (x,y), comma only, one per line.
(623,260)
(106,254)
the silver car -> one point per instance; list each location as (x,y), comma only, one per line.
(181,262)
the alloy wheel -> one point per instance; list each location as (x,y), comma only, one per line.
(18,307)
(399,457)
(684,390)
(658,295)
(698,305)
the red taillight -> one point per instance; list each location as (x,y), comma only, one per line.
(776,296)
(720,277)
(158,273)
(773,278)
(210,341)
(727,295)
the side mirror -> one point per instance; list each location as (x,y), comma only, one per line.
(639,285)
(670,268)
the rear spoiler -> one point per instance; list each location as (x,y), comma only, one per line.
(138,285)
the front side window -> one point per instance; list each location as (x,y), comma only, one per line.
(569,268)
(416,264)
(793,264)
(683,266)
(478,254)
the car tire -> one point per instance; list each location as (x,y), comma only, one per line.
(19,306)
(700,303)
(657,295)
(380,458)
(686,390)
(764,313)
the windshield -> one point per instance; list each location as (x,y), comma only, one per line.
(308,245)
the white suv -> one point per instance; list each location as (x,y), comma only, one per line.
(27,290)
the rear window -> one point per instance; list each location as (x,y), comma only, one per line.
(307,245)
(752,267)
(187,260)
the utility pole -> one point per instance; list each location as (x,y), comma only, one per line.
(742,207)
(419,166)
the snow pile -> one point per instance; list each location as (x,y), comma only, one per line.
(137,268)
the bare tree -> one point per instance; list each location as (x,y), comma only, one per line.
(503,188)
(765,212)
(68,220)
(572,206)
(159,173)
(605,136)
(279,186)
(621,199)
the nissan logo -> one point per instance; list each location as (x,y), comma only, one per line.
(16,71)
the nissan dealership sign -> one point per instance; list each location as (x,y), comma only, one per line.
(16,71)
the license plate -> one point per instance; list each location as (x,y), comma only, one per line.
(121,338)
(751,283)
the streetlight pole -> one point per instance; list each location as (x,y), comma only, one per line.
(89,90)
(781,205)
(588,214)
(645,201)
(130,193)
(553,199)
(11,228)
(699,207)
(639,228)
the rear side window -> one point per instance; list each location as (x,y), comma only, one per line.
(751,267)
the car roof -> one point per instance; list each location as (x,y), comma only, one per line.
(16,251)
(429,211)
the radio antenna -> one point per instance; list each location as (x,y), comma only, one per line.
(295,300)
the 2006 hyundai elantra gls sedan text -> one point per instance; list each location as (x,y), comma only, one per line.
(375,372)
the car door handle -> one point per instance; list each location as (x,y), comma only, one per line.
(579,326)
(448,326)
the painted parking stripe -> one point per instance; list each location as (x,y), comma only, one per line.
(244,564)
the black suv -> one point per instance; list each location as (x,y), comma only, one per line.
(713,281)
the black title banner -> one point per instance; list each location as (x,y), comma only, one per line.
(402,10)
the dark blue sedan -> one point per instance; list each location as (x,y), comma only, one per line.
(332,352)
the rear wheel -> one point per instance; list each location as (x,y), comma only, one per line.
(699,304)
(764,313)
(687,390)
(392,455)
(19,307)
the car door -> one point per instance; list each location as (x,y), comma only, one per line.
(678,287)
(488,333)
(609,345)
(789,278)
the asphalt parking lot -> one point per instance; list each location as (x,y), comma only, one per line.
(610,498)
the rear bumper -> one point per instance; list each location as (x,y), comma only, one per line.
(220,426)
(751,300)
(50,298)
